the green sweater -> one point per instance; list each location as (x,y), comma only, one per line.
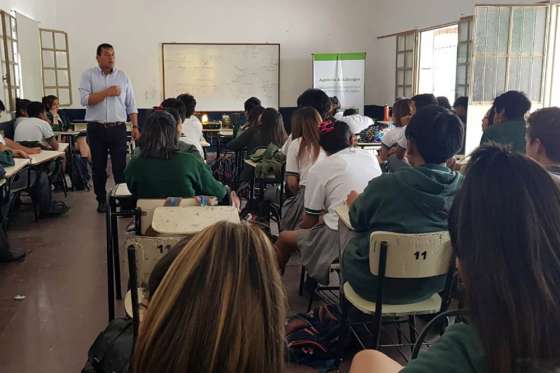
(184,175)
(410,200)
(459,350)
(509,133)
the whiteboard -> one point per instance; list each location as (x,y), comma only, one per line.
(222,76)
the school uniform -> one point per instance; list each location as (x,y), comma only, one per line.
(328,184)
(511,133)
(410,200)
(459,350)
(292,208)
(395,136)
(192,133)
(357,122)
(33,130)
(181,176)
(182,147)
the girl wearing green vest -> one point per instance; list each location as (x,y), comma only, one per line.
(504,227)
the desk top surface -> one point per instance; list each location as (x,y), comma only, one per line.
(62,146)
(67,133)
(250,163)
(20,164)
(344,214)
(46,155)
(192,219)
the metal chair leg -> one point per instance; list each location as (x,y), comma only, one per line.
(412,330)
(301,281)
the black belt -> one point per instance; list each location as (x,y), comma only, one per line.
(109,124)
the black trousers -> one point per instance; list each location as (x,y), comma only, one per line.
(102,141)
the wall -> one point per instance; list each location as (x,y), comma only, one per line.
(137,27)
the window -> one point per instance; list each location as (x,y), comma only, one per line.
(11,66)
(438,61)
(464,50)
(56,65)
(406,62)
(509,51)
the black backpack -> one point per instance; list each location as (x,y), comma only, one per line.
(79,173)
(112,350)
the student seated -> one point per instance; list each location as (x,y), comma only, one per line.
(394,141)
(21,110)
(460,107)
(60,123)
(356,121)
(161,170)
(507,257)
(191,128)
(509,121)
(253,119)
(488,119)
(36,130)
(268,130)
(346,168)
(411,200)
(178,110)
(543,139)
(443,102)
(220,307)
(318,100)
(304,151)
(422,100)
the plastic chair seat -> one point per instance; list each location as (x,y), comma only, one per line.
(428,306)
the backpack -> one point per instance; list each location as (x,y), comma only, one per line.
(270,162)
(313,337)
(112,350)
(224,169)
(79,173)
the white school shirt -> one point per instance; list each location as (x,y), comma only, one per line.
(395,136)
(331,180)
(2,141)
(33,129)
(192,133)
(286,145)
(300,167)
(357,122)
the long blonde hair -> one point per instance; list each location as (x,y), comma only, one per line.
(305,124)
(219,308)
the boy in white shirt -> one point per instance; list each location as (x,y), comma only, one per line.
(36,130)
(328,183)
(355,120)
(192,128)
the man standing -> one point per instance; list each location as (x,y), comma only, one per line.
(108,97)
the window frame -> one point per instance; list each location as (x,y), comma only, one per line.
(57,87)
(10,61)
(401,87)
(463,89)
(509,55)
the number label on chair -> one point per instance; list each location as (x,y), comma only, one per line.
(161,248)
(422,254)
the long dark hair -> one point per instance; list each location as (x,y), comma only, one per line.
(159,136)
(305,124)
(504,226)
(271,127)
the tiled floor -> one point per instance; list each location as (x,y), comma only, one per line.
(63,280)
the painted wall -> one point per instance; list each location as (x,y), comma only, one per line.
(137,27)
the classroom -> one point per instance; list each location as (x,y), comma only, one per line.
(355,186)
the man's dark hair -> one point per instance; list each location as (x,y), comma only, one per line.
(462,101)
(159,136)
(102,46)
(423,100)
(514,104)
(176,104)
(350,111)
(190,103)
(336,139)
(436,132)
(443,102)
(251,103)
(35,109)
(544,124)
(21,106)
(317,99)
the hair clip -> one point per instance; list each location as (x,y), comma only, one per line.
(326,126)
